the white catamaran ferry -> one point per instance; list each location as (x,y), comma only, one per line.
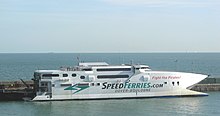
(99,80)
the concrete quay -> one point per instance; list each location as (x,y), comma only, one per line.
(208,84)
(20,90)
(206,87)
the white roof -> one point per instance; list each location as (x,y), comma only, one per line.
(86,64)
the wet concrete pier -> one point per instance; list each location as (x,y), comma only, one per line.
(21,90)
(208,84)
(206,87)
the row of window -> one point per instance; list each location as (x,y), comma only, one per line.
(111,76)
(178,83)
(109,69)
(114,69)
(108,76)
(91,84)
(49,76)
(103,69)
(142,68)
(57,75)
(80,84)
(173,83)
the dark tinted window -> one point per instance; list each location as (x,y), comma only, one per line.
(82,77)
(65,75)
(112,76)
(65,84)
(46,77)
(44,84)
(144,68)
(114,69)
(73,75)
(83,84)
(87,69)
(50,75)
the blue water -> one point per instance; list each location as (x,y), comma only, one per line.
(15,66)
(188,106)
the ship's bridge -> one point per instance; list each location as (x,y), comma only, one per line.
(88,64)
(142,68)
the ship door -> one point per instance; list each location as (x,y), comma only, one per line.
(46,88)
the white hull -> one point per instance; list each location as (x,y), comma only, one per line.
(180,93)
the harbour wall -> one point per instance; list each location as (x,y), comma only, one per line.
(208,84)
(210,81)
(21,90)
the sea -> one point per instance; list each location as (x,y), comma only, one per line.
(15,66)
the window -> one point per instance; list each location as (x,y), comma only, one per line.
(92,84)
(65,85)
(114,69)
(65,75)
(144,67)
(111,76)
(43,84)
(46,77)
(98,84)
(173,83)
(165,82)
(87,69)
(178,83)
(82,77)
(73,75)
(50,75)
(83,84)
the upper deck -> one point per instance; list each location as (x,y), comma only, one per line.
(95,68)
(103,66)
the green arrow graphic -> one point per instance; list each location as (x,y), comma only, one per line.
(77,87)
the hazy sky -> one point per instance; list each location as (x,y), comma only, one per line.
(109,26)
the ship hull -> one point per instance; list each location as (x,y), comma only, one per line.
(186,93)
(152,84)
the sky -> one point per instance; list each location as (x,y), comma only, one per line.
(91,26)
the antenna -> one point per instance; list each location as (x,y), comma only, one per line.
(176,64)
(78,59)
(131,62)
(123,60)
(192,66)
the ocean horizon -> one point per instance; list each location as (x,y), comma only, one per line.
(14,66)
